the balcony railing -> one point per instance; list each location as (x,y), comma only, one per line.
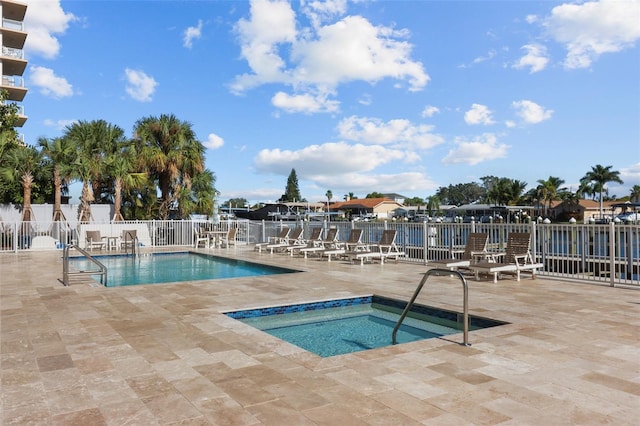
(12,80)
(12,52)
(10,24)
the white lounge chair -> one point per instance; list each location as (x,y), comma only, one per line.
(200,237)
(475,248)
(129,238)
(385,248)
(313,241)
(229,239)
(280,238)
(328,241)
(295,239)
(351,244)
(515,260)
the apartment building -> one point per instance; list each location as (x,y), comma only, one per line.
(12,61)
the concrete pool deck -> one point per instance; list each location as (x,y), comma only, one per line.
(164,354)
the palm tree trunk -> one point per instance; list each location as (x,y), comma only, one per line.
(117,200)
(58,216)
(27,182)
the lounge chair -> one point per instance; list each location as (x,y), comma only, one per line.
(314,240)
(516,259)
(93,239)
(328,242)
(280,238)
(295,239)
(475,247)
(341,247)
(385,248)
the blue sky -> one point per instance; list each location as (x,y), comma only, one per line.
(364,96)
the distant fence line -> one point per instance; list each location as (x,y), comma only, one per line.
(607,253)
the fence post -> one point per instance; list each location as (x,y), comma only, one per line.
(612,254)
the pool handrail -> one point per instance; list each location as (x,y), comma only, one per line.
(102,270)
(465,302)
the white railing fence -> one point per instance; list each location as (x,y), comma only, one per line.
(602,253)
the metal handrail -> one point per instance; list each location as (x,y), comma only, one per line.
(133,239)
(465,302)
(102,270)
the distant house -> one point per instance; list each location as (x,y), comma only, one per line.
(582,210)
(372,208)
(395,197)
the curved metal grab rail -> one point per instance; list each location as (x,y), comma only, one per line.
(465,302)
(102,270)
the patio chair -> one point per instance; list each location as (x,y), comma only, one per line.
(475,247)
(280,238)
(339,248)
(230,238)
(385,248)
(313,241)
(94,240)
(514,260)
(200,237)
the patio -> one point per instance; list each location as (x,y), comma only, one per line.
(164,354)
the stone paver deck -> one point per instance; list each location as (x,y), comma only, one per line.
(164,354)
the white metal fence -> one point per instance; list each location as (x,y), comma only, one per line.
(602,253)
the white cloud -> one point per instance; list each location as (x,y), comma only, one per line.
(536,58)
(590,29)
(192,33)
(328,158)
(214,141)
(430,111)
(322,11)
(343,167)
(482,148)
(478,114)
(398,133)
(50,84)
(58,124)
(140,86)
(531,112)
(305,103)
(322,56)
(44,21)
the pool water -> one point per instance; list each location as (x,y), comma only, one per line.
(173,267)
(357,324)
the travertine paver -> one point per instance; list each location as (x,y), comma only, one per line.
(164,354)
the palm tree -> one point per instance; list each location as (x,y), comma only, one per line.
(547,191)
(120,165)
(433,204)
(20,164)
(597,178)
(59,151)
(329,195)
(171,153)
(634,197)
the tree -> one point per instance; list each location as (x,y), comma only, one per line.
(635,194)
(547,191)
(60,152)
(21,165)
(414,201)
(374,195)
(171,154)
(120,166)
(597,178)
(433,204)
(292,191)
(349,196)
(505,191)
(462,193)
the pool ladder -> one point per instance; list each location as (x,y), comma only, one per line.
(465,302)
(102,270)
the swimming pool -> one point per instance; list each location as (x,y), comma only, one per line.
(337,327)
(156,268)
